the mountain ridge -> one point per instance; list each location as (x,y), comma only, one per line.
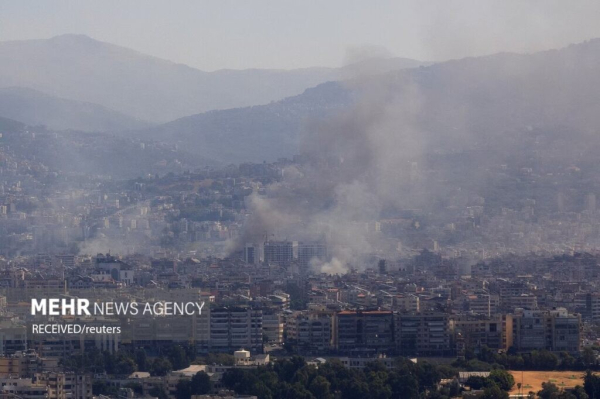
(80,68)
(33,107)
(474,98)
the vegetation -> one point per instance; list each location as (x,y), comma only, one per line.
(200,384)
(487,359)
(175,357)
(293,378)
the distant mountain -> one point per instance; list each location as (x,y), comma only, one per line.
(262,132)
(9,125)
(456,104)
(77,67)
(36,108)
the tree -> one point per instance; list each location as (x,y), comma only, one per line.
(428,374)
(99,387)
(125,365)
(201,384)
(476,382)
(588,357)
(454,388)
(262,391)
(320,388)
(591,384)
(183,390)
(549,391)
(158,392)
(544,360)
(296,391)
(378,386)
(178,358)
(494,392)
(356,390)
(160,367)
(404,385)
(579,392)
(567,362)
(142,360)
(503,379)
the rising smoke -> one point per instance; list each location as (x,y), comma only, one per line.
(360,162)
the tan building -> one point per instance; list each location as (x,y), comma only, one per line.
(310,331)
(22,365)
(495,332)
(408,303)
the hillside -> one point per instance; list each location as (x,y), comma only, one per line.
(453,105)
(36,108)
(9,125)
(80,68)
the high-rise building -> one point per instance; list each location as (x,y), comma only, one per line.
(234,328)
(252,254)
(423,334)
(279,252)
(364,331)
(311,251)
(272,326)
(310,331)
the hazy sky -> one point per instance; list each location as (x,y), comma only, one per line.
(290,34)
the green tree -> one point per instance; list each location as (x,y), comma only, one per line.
(579,392)
(494,392)
(125,365)
(404,385)
(567,362)
(100,387)
(503,379)
(477,382)
(158,392)
(183,390)
(454,388)
(428,375)
(160,367)
(591,384)
(201,384)
(178,358)
(320,388)
(261,390)
(588,357)
(142,360)
(544,360)
(549,391)
(357,389)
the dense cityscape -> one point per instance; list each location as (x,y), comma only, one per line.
(391,228)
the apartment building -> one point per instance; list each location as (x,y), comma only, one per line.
(555,330)
(476,331)
(423,334)
(234,328)
(310,331)
(364,331)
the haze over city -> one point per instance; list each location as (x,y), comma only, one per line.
(290,34)
(316,200)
